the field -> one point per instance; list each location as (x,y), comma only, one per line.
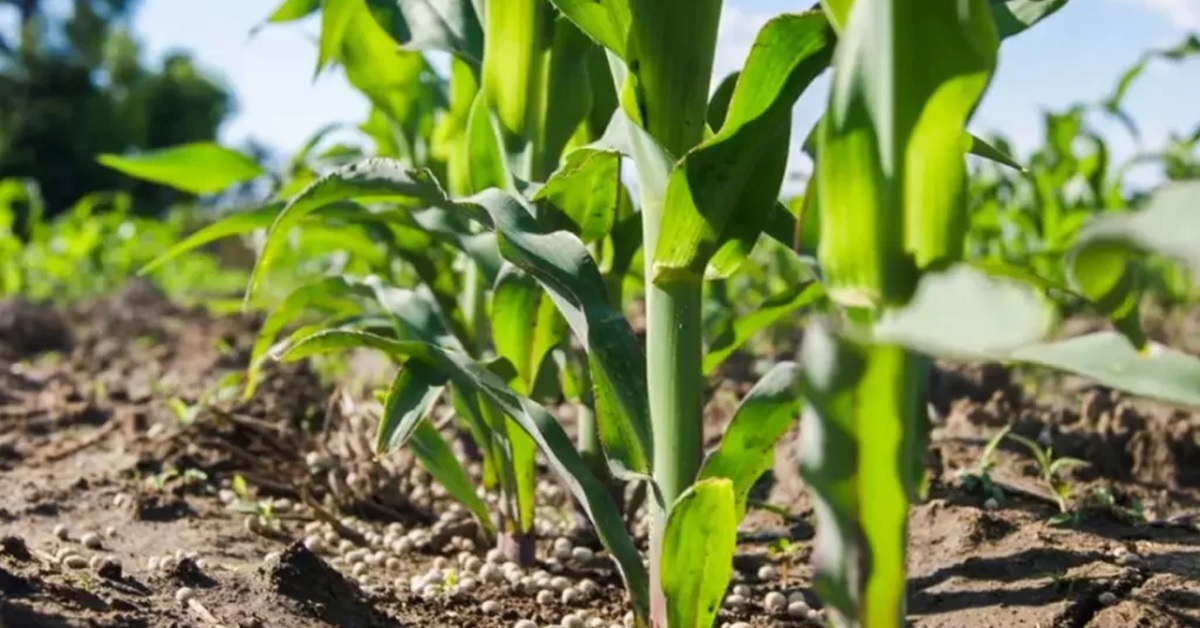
(545,339)
(89,441)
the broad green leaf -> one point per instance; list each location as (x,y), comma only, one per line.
(963,312)
(863,431)
(463,372)
(393,80)
(605,21)
(587,189)
(740,169)
(744,327)
(559,261)
(438,458)
(525,325)
(443,25)
(1156,371)
(1100,266)
(197,168)
(1014,16)
(747,449)
(697,553)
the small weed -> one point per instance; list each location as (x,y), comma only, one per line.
(979,480)
(1050,467)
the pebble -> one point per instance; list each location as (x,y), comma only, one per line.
(473,564)
(561,548)
(587,586)
(74,561)
(559,583)
(740,624)
(184,594)
(110,531)
(572,621)
(525,623)
(495,556)
(991,504)
(742,590)
(583,554)
(798,609)
(314,544)
(491,573)
(466,585)
(545,597)
(734,601)
(491,607)
(60,531)
(775,602)
(90,540)
(570,596)
(1108,598)
(768,572)
(152,563)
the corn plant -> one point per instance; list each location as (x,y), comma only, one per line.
(890,193)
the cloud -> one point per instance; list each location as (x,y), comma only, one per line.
(1184,14)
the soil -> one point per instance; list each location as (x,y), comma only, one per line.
(134,477)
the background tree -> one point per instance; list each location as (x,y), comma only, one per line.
(73,85)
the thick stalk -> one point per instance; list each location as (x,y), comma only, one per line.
(673,43)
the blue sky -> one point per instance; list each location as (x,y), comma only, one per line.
(1074,56)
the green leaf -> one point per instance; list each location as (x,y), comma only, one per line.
(525,324)
(963,312)
(409,399)
(1156,371)
(587,189)
(196,168)
(335,18)
(1015,16)
(745,327)
(697,553)
(747,449)
(395,81)
(559,261)
(740,169)
(292,10)
(604,21)
(533,418)
(981,148)
(443,25)
(863,432)
(438,458)
(1101,264)
(240,223)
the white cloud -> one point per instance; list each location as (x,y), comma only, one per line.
(1184,14)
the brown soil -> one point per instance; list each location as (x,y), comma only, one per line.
(90,445)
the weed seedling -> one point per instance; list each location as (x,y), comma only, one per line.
(1050,467)
(980,479)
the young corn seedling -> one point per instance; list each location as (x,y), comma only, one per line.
(1050,469)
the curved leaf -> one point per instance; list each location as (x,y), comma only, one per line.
(438,458)
(1014,16)
(1100,265)
(445,25)
(587,189)
(697,553)
(532,417)
(559,261)
(197,168)
(741,168)
(747,449)
(605,21)
(525,324)
(235,224)
(744,327)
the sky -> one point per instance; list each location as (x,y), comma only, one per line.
(1074,56)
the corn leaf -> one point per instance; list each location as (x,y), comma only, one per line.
(533,419)
(697,553)
(1015,16)
(863,435)
(240,223)
(745,327)
(335,17)
(587,189)
(989,315)
(1101,264)
(747,449)
(438,458)
(410,397)
(518,449)
(559,261)
(446,25)
(292,10)
(740,169)
(525,325)
(1155,371)
(196,168)
(391,79)
(605,21)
